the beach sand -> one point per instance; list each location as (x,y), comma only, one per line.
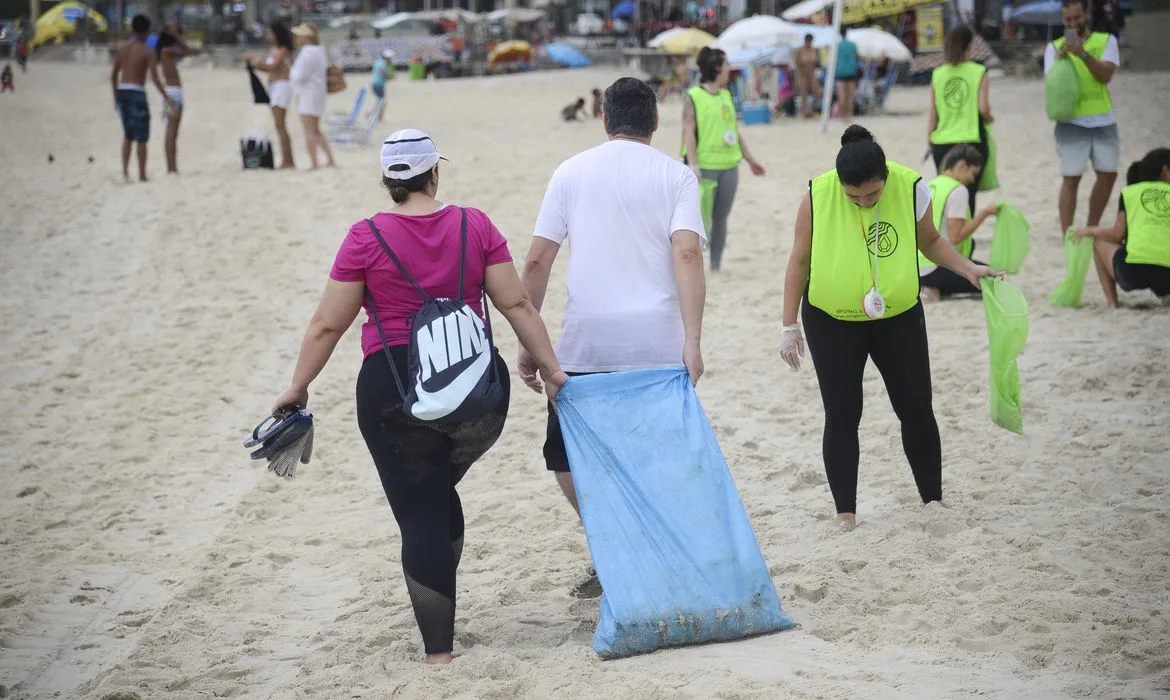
(147,328)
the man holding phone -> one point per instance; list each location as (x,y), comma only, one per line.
(1091,135)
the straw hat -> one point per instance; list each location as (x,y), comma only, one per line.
(305,30)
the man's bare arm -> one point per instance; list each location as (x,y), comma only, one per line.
(687,259)
(538,267)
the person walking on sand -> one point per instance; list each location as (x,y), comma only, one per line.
(1091,135)
(867,213)
(171,49)
(278,64)
(448,252)
(132,63)
(636,288)
(308,75)
(383,73)
(1135,253)
(6,84)
(960,104)
(711,132)
(808,90)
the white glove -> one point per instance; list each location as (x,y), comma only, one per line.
(792,345)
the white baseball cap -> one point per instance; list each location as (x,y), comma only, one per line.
(388,54)
(408,153)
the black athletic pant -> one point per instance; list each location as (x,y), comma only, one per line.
(839,350)
(939,151)
(419,465)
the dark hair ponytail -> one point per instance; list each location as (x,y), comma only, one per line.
(957,42)
(284,37)
(860,159)
(1154,162)
(401,189)
(710,62)
(962,153)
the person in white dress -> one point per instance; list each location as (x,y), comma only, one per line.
(308,77)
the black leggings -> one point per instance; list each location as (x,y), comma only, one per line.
(939,151)
(419,464)
(948,283)
(898,347)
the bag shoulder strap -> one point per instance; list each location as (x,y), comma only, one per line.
(398,263)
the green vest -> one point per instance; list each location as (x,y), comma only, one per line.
(1147,223)
(1094,93)
(714,119)
(940,190)
(841,262)
(956,99)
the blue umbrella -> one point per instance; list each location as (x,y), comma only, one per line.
(624,9)
(1042,13)
(567,55)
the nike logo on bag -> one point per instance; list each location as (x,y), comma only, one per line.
(432,405)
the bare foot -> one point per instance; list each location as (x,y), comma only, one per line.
(126,178)
(440,659)
(846,521)
(143,178)
(941,503)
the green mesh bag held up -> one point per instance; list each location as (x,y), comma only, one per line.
(1077,256)
(988,179)
(1006,311)
(1062,90)
(707,201)
(1010,244)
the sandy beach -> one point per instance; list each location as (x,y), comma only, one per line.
(147,328)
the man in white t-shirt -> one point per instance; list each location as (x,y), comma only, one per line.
(1092,134)
(636,287)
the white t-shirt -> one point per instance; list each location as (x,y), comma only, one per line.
(620,203)
(955,207)
(1111,54)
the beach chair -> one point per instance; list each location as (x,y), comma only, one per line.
(341,119)
(356,134)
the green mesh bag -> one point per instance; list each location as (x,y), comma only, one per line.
(1006,311)
(1062,90)
(1010,244)
(1077,256)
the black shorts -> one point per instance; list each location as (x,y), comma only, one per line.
(851,78)
(1133,276)
(556,458)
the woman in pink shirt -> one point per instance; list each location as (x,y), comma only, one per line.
(419,462)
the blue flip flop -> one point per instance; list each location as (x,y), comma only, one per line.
(284,439)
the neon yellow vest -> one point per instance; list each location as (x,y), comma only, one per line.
(940,190)
(1147,223)
(1094,93)
(956,99)
(841,263)
(714,118)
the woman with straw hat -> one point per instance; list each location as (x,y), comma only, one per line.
(308,75)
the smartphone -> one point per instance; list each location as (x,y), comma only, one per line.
(1069,35)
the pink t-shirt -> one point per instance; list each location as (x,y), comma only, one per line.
(428,247)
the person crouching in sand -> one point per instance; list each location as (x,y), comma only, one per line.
(132,63)
(571,110)
(1135,252)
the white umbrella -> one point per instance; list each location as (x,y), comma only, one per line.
(806,9)
(757,31)
(394,19)
(874,44)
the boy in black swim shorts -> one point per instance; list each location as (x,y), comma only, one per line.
(132,63)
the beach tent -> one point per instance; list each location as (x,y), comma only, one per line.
(757,31)
(681,40)
(61,21)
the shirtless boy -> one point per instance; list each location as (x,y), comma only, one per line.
(132,63)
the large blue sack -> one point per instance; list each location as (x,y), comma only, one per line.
(673,547)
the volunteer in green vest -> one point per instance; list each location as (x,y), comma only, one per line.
(960,103)
(955,221)
(711,131)
(1091,135)
(1135,252)
(854,262)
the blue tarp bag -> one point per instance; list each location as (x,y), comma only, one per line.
(673,547)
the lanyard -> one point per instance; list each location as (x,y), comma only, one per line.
(877,238)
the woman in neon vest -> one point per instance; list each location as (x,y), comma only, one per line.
(855,264)
(1135,252)
(954,220)
(711,131)
(960,103)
